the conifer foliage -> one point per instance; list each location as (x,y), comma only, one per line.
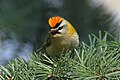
(98,61)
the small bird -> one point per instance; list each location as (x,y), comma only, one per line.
(62,37)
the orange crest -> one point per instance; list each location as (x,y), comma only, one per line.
(54,20)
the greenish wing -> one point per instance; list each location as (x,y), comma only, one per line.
(46,44)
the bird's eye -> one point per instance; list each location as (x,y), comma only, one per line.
(60,28)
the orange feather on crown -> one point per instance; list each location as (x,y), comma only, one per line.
(54,20)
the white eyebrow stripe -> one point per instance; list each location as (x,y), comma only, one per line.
(60,30)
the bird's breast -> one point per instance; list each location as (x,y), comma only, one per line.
(61,44)
(58,45)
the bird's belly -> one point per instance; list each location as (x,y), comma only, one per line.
(61,45)
(57,48)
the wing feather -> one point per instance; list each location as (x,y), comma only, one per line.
(46,44)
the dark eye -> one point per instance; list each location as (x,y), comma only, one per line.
(60,28)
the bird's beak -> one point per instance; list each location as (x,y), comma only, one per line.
(54,32)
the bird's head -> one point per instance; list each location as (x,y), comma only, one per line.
(60,26)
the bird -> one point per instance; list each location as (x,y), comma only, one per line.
(61,37)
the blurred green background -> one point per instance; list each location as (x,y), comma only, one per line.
(24,23)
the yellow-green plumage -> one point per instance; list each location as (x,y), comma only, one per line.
(63,42)
(62,37)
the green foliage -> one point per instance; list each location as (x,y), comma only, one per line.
(100,60)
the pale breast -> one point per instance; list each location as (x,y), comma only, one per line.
(60,45)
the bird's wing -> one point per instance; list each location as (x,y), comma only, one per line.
(46,44)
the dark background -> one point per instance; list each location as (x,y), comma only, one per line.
(24,23)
